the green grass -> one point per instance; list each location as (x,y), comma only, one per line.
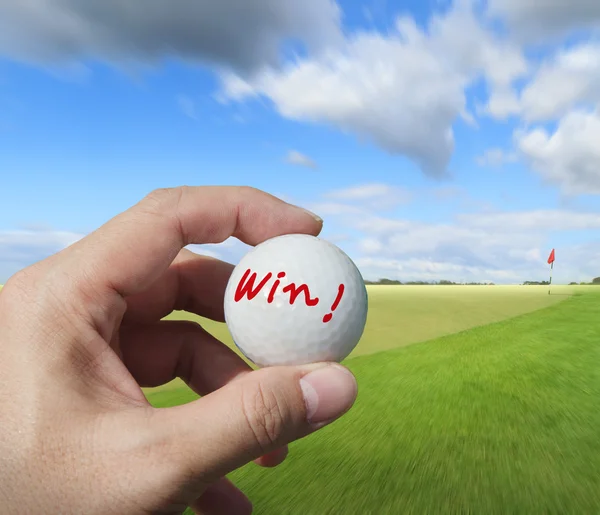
(403,315)
(501,418)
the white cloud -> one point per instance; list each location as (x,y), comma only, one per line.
(334,209)
(376,195)
(370,246)
(22,248)
(17,243)
(443,241)
(433,271)
(463,40)
(503,247)
(231,250)
(588,253)
(402,91)
(334,238)
(500,247)
(446,193)
(237,33)
(570,156)
(542,219)
(570,79)
(496,157)
(298,159)
(502,103)
(367,191)
(536,19)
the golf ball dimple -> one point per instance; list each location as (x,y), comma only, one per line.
(296,299)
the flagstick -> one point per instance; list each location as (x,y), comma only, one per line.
(550,284)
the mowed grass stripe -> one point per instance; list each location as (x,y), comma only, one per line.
(497,419)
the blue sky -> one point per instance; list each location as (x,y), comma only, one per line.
(438,140)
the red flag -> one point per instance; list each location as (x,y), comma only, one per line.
(551,258)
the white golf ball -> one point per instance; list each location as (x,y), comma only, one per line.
(296,299)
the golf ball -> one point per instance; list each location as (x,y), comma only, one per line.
(296,299)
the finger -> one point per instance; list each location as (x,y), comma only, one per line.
(253,416)
(222,498)
(129,253)
(274,458)
(156,354)
(193,283)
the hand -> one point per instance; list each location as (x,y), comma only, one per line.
(82,331)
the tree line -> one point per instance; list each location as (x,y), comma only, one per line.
(424,283)
(393,282)
(595,282)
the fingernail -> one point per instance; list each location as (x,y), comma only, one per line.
(328,393)
(316,217)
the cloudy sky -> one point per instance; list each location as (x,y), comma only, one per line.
(438,140)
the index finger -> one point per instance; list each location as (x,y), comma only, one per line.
(132,250)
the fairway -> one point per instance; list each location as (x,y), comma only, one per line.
(497,419)
(403,315)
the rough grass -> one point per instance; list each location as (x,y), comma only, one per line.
(497,419)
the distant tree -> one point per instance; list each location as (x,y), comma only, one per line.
(573,284)
(385,282)
(388,281)
(596,280)
(443,281)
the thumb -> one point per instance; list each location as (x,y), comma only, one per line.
(255,415)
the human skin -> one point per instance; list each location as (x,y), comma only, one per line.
(82,332)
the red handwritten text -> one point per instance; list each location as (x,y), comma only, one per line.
(336,303)
(245,287)
(248,288)
(296,291)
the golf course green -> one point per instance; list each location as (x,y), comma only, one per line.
(495,416)
(403,315)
